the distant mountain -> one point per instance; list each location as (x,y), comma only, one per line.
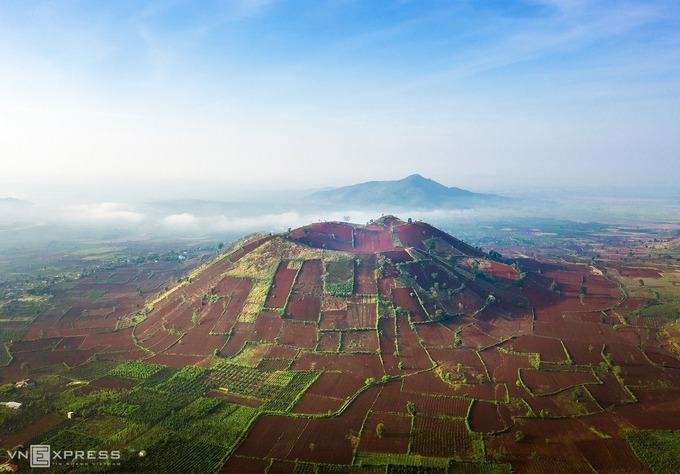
(413,191)
(13,202)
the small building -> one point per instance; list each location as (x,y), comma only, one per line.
(12,405)
(25,383)
(71,415)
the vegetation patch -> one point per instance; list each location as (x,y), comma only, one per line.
(658,449)
(339,277)
(136,369)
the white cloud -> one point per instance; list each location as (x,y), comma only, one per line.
(180,220)
(105,213)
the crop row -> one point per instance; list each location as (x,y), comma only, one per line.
(187,381)
(659,449)
(287,396)
(92,369)
(136,369)
(280,388)
(196,410)
(173,456)
(151,406)
(236,378)
(442,436)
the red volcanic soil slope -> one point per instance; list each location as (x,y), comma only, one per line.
(440,357)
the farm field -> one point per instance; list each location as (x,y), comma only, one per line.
(390,347)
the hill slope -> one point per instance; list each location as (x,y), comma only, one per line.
(336,347)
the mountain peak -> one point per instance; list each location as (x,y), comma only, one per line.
(414,191)
(416,177)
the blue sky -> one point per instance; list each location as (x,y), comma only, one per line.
(295,93)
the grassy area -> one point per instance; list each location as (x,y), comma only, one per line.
(658,449)
(8,334)
(339,278)
(95,252)
(663,295)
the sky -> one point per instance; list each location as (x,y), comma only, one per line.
(174,95)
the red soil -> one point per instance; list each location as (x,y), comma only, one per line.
(372,241)
(610,455)
(32,430)
(640,272)
(543,382)
(361,366)
(305,300)
(398,256)
(656,409)
(328,341)
(583,352)
(335,385)
(298,334)
(364,275)
(267,326)
(333,320)
(176,360)
(485,417)
(38,359)
(35,345)
(442,437)
(395,438)
(411,353)
(473,336)
(360,341)
(361,315)
(450,358)
(435,335)
(309,440)
(283,281)
(611,393)
(402,297)
(282,352)
(318,404)
(550,349)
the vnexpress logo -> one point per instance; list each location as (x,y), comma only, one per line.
(41,455)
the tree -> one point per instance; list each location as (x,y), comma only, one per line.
(429,244)
(411,408)
(519,436)
(554,286)
(380,430)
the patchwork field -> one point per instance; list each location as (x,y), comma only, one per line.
(391,347)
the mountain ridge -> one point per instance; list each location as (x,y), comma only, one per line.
(414,191)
